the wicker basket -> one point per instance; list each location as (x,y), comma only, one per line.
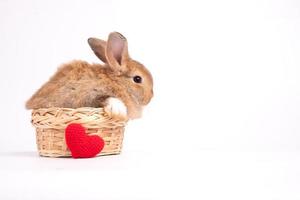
(50,124)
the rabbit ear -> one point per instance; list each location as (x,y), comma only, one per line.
(98,46)
(117,52)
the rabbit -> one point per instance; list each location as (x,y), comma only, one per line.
(122,86)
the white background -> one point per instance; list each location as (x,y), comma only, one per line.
(224,122)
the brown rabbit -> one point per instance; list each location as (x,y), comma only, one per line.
(122,85)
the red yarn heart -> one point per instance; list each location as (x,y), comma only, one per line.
(80,144)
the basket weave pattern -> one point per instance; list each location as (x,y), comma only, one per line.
(50,124)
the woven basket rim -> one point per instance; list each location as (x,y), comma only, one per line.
(89,117)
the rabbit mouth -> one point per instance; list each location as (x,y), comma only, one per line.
(148,99)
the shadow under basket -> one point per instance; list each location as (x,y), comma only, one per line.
(50,124)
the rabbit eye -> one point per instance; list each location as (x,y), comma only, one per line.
(137,79)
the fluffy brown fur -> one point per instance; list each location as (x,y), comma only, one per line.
(80,84)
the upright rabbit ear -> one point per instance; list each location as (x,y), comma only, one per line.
(98,46)
(117,52)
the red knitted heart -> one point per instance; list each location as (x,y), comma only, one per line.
(80,144)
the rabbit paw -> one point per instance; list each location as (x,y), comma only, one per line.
(115,108)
